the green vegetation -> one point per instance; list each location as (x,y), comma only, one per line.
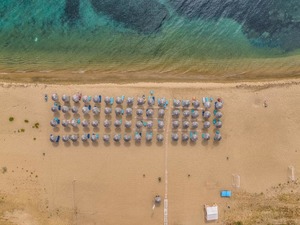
(4,169)
(26,121)
(11,119)
(22,130)
(34,139)
(37,125)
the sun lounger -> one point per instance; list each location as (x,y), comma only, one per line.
(225,194)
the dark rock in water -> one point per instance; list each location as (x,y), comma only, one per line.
(72,10)
(144,16)
(266,21)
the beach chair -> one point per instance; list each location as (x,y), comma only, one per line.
(225,194)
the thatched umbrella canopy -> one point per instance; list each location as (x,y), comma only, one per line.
(54,138)
(218,114)
(85,110)
(161,124)
(139,124)
(65,98)
(95,123)
(186,113)
(194,114)
(149,112)
(118,123)
(74,137)
(107,110)
(159,137)
(175,113)
(151,101)
(196,104)
(85,137)
(195,125)
(97,98)
(55,108)
(54,97)
(161,112)
(85,123)
(74,109)
(65,123)
(65,138)
(106,138)
(140,101)
(175,137)
(65,109)
(74,123)
(175,124)
(96,110)
(218,124)
(206,136)
(118,111)
(119,100)
(185,103)
(106,123)
(206,114)
(94,137)
(86,99)
(206,124)
(54,122)
(139,112)
(76,98)
(185,124)
(185,137)
(206,105)
(128,111)
(127,137)
(162,102)
(176,103)
(128,124)
(130,100)
(107,100)
(218,105)
(137,137)
(194,137)
(117,137)
(149,136)
(217,136)
(149,124)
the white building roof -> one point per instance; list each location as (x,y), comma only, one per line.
(211,213)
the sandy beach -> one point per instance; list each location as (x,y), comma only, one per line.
(88,184)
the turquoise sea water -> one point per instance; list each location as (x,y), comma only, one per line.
(166,35)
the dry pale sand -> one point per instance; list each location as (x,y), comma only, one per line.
(99,184)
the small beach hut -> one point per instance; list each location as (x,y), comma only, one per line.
(54,97)
(138,136)
(75,122)
(194,114)
(74,137)
(127,137)
(97,98)
(95,123)
(54,138)
(65,138)
(96,110)
(85,109)
(218,105)
(151,101)
(139,124)
(175,137)
(186,113)
(54,122)
(127,124)
(149,136)
(161,124)
(76,98)
(107,100)
(128,112)
(196,104)
(119,111)
(162,102)
(120,100)
(193,136)
(149,112)
(106,123)
(74,109)
(140,101)
(206,124)
(184,137)
(185,103)
(65,98)
(85,123)
(117,137)
(217,123)
(95,137)
(175,124)
(206,114)
(130,101)
(118,123)
(149,124)
(55,108)
(107,110)
(218,114)
(86,99)
(85,137)
(194,125)
(160,138)
(185,124)
(139,112)
(176,103)
(65,109)
(161,112)
(106,138)
(65,123)
(211,212)
(206,136)
(206,105)
(175,113)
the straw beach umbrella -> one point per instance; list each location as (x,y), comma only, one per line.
(160,138)
(54,122)
(218,114)
(128,124)
(107,111)
(139,112)
(118,123)
(176,103)
(96,110)
(206,136)
(106,138)
(54,97)
(118,111)
(65,109)
(206,114)
(185,103)
(86,99)
(185,124)
(74,122)
(85,137)
(95,123)
(149,136)
(161,112)
(196,104)
(106,123)
(161,124)
(151,101)
(85,123)
(74,137)
(184,137)
(128,112)
(117,137)
(175,137)
(149,112)
(55,108)
(218,124)
(119,100)
(107,100)
(195,125)
(97,98)
(130,100)
(162,102)
(186,113)
(206,124)
(54,138)
(65,138)
(175,124)
(175,113)
(127,138)
(140,101)
(217,136)
(76,98)
(206,105)
(218,105)
(94,137)
(85,110)
(149,124)
(65,123)
(194,137)
(65,98)
(137,137)
(74,109)
(139,124)
(194,114)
